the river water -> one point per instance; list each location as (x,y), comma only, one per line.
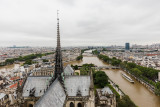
(137,92)
(9,67)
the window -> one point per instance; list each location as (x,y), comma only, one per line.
(79,105)
(30,105)
(71,104)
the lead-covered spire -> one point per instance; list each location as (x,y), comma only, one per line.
(58,56)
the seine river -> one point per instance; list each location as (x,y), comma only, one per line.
(137,92)
(9,67)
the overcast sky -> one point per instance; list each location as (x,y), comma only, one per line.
(82,22)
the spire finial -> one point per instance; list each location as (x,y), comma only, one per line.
(57,14)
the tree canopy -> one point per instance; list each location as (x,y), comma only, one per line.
(79,57)
(125,102)
(100,78)
(26,58)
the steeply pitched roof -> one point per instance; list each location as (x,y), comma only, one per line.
(106,90)
(104,94)
(54,96)
(68,70)
(73,84)
(39,83)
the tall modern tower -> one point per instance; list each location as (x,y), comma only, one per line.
(127,46)
(58,55)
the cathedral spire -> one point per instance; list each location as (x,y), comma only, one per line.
(58,32)
(58,56)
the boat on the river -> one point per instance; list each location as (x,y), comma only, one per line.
(127,78)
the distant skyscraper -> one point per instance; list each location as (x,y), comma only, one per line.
(127,46)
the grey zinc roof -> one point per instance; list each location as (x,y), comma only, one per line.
(68,70)
(54,96)
(106,90)
(73,84)
(103,93)
(39,83)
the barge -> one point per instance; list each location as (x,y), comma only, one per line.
(127,78)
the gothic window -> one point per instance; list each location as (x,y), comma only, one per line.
(30,105)
(79,105)
(71,104)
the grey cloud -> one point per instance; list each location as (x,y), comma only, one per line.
(82,22)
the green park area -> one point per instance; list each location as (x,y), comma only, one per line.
(26,59)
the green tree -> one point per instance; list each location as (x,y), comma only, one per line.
(101,79)
(104,49)
(76,73)
(131,65)
(9,61)
(136,72)
(122,65)
(29,62)
(76,67)
(115,62)
(79,58)
(95,52)
(125,102)
(157,90)
(45,60)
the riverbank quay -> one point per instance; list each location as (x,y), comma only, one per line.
(150,87)
(115,86)
(122,99)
